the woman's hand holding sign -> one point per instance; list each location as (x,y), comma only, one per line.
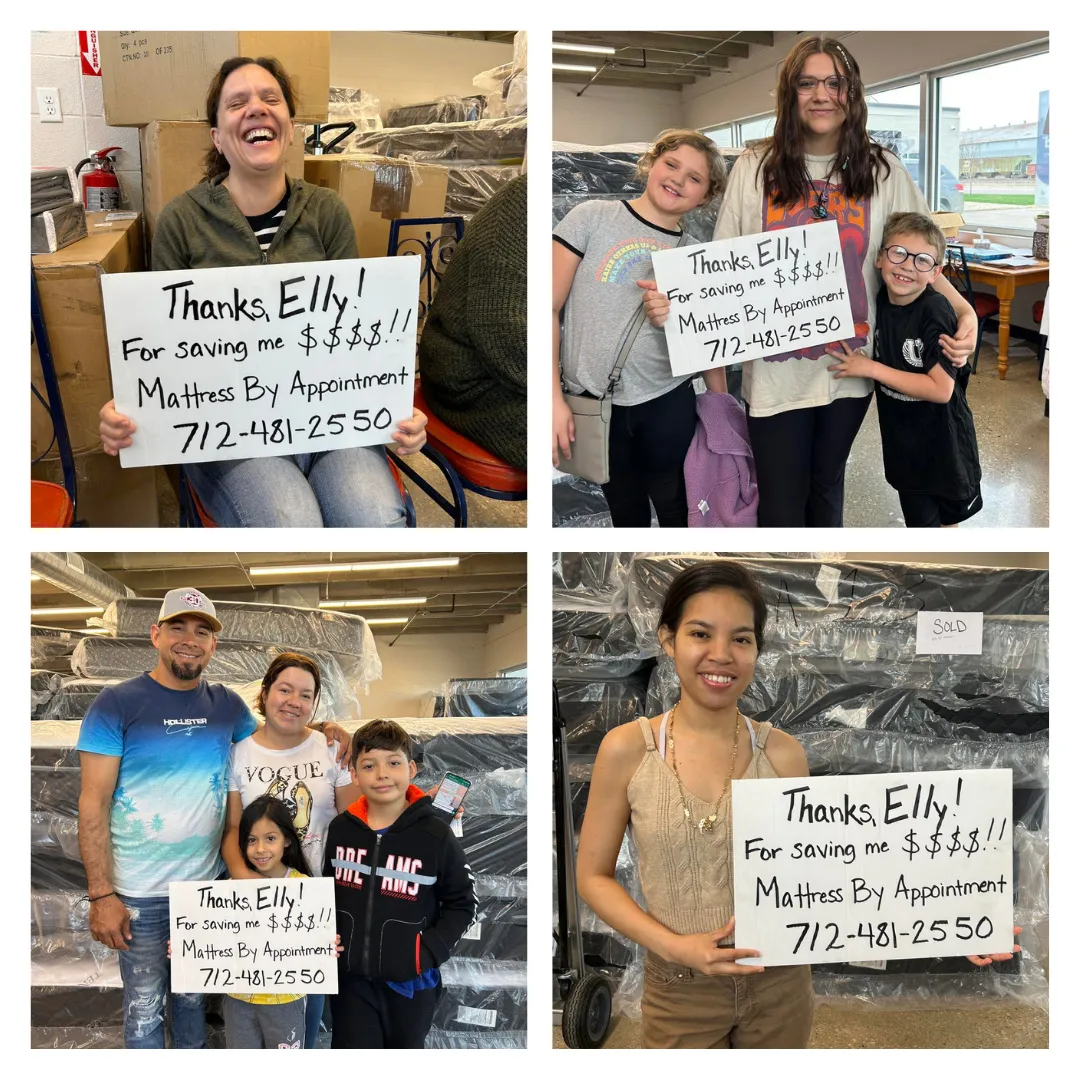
(989,958)
(410,435)
(703,953)
(116,430)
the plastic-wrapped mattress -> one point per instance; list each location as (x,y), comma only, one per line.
(485,697)
(498,141)
(444,110)
(43,688)
(468,188)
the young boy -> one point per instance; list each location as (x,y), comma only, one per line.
(927,433)
(404,895)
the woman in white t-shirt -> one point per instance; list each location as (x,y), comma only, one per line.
(820,164)
(292,762)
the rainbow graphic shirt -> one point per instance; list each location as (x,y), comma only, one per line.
(615,246)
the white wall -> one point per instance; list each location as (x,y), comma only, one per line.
(612,114)
(881,55)
(54,61)
(419,663)
(506,643)
(406,69)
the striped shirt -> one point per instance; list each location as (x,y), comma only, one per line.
(265,226)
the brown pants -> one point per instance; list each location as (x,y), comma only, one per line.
(683,1009)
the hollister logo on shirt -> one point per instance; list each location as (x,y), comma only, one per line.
(913,350)
(184,726)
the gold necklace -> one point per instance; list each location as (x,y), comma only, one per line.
(706,823)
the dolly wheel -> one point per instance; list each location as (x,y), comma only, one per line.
(587,1013)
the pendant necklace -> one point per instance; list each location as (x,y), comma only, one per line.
(818,212)
(706,823)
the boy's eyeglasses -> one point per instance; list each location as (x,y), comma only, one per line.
(805,85)
(923,260)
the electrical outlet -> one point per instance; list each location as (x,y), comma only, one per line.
(48,100)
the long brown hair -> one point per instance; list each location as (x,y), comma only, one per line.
(279,664)
(216,164)
(860,161)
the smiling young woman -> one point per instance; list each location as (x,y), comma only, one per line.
(669,778)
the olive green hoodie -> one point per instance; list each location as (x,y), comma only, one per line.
(203,228)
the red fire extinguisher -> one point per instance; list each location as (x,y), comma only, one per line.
(101,189)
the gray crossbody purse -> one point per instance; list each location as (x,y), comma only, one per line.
(592,417)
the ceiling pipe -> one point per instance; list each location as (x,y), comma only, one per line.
(75,575)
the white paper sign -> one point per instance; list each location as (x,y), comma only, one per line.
(957,632)
(836,869)
(253,937)
(771,293)
(262,361)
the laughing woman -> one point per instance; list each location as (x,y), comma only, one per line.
(247,212)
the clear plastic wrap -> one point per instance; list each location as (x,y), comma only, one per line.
(76,1038)
(596,644)
(44,685)
(347,636)
(589,580)
(578,504)
(468,188)
(438,1039)
(50,650)
(485,697)
(233,662)
(350,105)
(591,708)
(499,141)
(839,672)
(443,110)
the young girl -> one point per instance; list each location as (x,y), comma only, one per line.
(271,849)
(819,164)
(669,778)
(601,250)
(287,759)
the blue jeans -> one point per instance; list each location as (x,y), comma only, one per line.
(351,488)
(144,969)
(312,1018)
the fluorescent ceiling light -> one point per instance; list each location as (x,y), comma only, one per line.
(398,601)
(352,568)
(572,67)
(387,622)
(565,46)
(47,611)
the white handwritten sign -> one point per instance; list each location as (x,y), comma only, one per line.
(260,361)
(253,937)
(735,300)
(840,869)
(955,632)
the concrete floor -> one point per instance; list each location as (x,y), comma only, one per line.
(483,513)
(1014,449)
(841,1028)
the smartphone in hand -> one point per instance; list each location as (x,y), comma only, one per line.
(450,795)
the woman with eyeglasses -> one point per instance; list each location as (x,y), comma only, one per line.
(819,164)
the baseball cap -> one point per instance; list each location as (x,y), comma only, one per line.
(188,602)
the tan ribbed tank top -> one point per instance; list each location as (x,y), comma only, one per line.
(685,874)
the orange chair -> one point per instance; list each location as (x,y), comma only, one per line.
(193,515)
(50,506)
(464,464)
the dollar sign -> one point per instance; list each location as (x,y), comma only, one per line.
(819,270)
(911,846)
(272,922)
(309,341)
(286,922)
(778,276)
(954,841)
(807,272)
(795,277)
(972,847)
(333,343)
(356,338)
(376,337)
(935,845)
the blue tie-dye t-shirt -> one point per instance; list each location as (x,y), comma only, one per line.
(168,809)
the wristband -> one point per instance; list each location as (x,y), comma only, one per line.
(103,896)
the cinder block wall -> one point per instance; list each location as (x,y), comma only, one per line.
(54,61)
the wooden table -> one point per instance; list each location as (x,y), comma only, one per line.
(1004,281)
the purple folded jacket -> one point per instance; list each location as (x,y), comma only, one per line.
(721,482)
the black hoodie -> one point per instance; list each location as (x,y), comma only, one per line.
(403,898)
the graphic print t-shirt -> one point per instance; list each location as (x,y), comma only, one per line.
(168,809)
(303,777)
(615,246)
(928,447)
(800,380)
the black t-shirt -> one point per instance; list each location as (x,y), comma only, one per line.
(929,448)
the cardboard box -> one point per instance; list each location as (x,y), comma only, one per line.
(69,283)
(949,224)
(149,75)
(173,153)
(108,496)
(378,190)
